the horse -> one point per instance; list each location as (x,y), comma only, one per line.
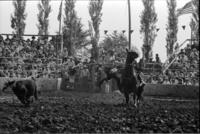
(127,82)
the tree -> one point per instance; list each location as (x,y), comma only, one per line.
(43,15)
(172,26)
(80,35)
(73,33)
(148,28)
(18,18)
(114,43)
(95,7)
(195,19)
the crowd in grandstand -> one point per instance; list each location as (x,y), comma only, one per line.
(23,58)
(184,70)
(40,58)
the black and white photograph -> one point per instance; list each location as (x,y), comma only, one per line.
(99,66)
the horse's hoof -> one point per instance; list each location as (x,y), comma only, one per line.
(122,104)
(135,105)
(27,105)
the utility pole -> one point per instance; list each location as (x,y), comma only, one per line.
(129,26)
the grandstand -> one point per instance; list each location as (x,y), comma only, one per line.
(41,58)
(183,64)
(23,58)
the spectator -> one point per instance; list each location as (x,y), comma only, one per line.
(157,59)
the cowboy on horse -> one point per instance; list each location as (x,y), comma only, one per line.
(129,79)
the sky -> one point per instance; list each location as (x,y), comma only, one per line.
(115,17)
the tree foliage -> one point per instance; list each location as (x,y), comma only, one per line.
(114,44)
(172,26)
(18,17)
(74,35)
(95,7)
(148,28)
(43,15)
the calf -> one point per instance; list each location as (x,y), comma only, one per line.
(25,90)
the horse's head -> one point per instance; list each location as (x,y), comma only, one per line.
(131,56)
(8,85)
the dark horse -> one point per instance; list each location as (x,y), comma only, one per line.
(127,82)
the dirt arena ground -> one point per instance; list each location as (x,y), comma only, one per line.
(97,113)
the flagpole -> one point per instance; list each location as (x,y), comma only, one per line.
(129,26)
(60,30)
(191,36)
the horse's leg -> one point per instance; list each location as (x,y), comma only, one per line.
(127,97)
(135,99)
(138,101)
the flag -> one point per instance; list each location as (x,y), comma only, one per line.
(60,12)
(186,9)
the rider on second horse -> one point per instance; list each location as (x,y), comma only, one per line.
(137,72)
